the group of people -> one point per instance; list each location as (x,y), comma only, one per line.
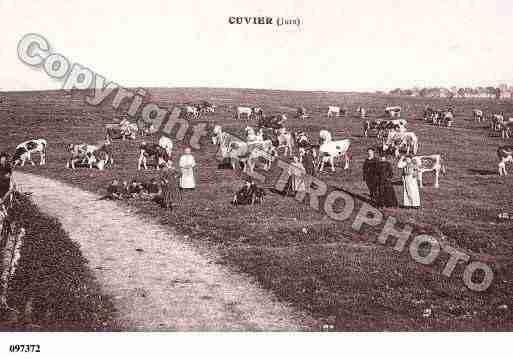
(163,190)
(378,175)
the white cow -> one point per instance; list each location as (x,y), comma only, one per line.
(429,163)
(333,111)
(25,150)
(241,110)
(330,150)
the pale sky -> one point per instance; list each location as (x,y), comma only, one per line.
(340,45)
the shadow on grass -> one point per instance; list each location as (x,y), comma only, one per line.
(481,172)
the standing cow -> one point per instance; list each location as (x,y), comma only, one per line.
(505,154)
(478,115)
(330,150)
(242,110)
(333,111)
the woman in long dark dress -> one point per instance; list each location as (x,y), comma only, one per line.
(169,190)
(385,196)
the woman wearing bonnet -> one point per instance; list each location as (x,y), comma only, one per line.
(411,196)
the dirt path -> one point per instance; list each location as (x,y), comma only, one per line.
(156,281)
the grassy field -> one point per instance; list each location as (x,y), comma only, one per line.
(344,278)
(53,277)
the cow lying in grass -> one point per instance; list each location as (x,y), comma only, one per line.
(25,150)
(505,154)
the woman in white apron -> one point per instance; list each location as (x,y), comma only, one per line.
(411,196)
(187,165)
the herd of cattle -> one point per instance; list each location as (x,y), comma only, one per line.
(269,138)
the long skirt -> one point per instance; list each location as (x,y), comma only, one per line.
(411,196)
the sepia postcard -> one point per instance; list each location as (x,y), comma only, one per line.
(230,169)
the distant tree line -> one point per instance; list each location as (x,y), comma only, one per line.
(502,91)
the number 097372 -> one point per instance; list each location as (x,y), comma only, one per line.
(24,348)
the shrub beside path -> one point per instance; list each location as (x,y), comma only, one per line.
(155,279)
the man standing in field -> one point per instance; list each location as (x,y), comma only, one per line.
(370,173)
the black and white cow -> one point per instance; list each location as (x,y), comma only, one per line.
(154,150)
(505,154)
(99,156)
(478,115)
(25,150)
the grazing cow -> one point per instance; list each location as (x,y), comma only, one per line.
(361,112)
(372,125)
(383,126)
(505,154)
(478,115)
(501,126)
(121,130)
(495,123)
(25,150)
(152,150)
(393,111)
(285,140)
(429,163)
(398,140)
(90,155)
(241,110)
(259,150)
